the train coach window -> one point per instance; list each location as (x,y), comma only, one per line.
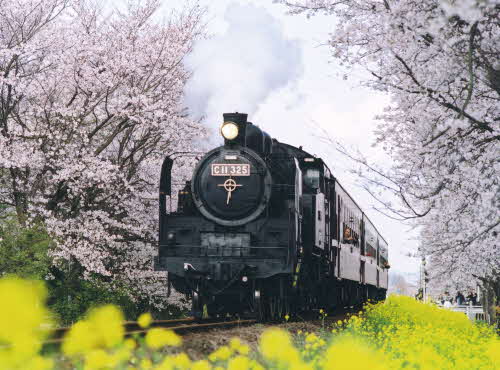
(350,236)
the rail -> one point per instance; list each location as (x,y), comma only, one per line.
(178,326)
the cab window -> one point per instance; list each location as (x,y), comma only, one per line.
(311,178)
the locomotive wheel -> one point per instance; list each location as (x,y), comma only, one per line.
(278,308)
(260,306)
(281,308)
(269,305)
(273,309)
(197,306)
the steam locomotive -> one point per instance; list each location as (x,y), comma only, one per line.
(264,229)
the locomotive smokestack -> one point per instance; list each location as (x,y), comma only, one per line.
(235,117)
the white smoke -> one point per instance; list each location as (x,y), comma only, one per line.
(238,69)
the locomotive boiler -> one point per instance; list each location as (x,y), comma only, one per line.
(264,229)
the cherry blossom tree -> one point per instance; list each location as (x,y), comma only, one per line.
(439,62)
(90,104)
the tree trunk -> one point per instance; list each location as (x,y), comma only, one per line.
(19,198)
(489,299)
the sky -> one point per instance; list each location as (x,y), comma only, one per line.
(278,69)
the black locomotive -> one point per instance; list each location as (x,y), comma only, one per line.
(263,228)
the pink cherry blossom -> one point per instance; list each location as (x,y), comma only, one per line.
(439,62)
(90,106)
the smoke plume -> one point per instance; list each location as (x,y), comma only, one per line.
(238,69)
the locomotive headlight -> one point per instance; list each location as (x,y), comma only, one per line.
(229,130)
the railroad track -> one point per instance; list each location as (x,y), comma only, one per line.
(182,326)
(179,326)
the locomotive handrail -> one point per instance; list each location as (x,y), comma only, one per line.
(166,178)
(290,236)
(220,251)
(226,246)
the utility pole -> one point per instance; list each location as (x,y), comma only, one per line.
(424,275)
(423,280)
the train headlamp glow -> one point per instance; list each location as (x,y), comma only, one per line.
(229,130)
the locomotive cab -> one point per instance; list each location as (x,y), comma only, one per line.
(315,203)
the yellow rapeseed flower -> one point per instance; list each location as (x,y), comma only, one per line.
(99,359)
(311,338)
(146,364)
(235,343)
(302,366)
(351,353)
(201,365)
(400,327)
(220,354)
(107,321)
(243,350)
(166,364)
(145,320)
(103,328)
(22,315)
(239,363)
(79,339)
(493,351)
(158,337)
(129,343)
(40,363)
(254,365)
(179,361)
(276,345)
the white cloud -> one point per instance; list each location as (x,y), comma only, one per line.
(237,70)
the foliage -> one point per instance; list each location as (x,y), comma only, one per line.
(90,104)
(386,336)
(71,298)
(438,60)
(24,252)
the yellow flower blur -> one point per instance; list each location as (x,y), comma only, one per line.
(238,363)
(158,337)
(201,365)
(352,353)
(276,345)
(145,320)
(221,354)
(103,328)
(400,333)
(22,316)
(423,335)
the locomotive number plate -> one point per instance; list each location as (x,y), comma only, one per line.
(230,169)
